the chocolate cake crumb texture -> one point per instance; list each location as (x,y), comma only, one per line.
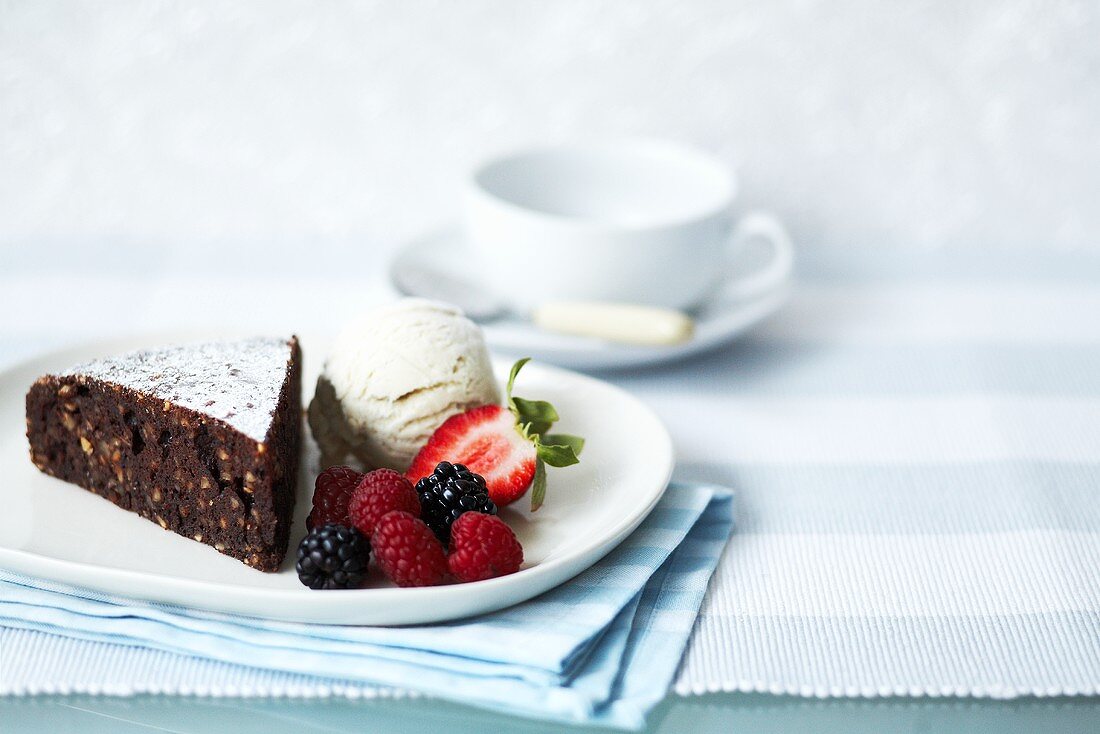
(201,439)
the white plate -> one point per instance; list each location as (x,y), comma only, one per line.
(61,532)
(717,322)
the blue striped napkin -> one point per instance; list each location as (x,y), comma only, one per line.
(602,648)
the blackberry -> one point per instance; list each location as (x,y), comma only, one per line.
(333,557)
(449,491)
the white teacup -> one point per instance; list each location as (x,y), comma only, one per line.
(642,222)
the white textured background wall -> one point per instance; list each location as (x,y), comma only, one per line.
(938,124)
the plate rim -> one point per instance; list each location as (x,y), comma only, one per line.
(122,582)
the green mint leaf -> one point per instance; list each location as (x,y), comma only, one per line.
(564,439)
(538,485)
(557,455)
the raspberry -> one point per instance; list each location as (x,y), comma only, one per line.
(331,494)
(407,551)
(483,547)
(379,492)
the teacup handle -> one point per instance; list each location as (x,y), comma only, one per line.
(760,225)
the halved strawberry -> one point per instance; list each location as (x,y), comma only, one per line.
(508,446)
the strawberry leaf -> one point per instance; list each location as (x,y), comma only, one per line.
(564,439)
(557,455)
(512,376)
(538,415)
(533,419)
(538,485)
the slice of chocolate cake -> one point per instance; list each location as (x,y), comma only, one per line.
(202,439)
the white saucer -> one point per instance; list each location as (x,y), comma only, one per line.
(717,322)
(58,531)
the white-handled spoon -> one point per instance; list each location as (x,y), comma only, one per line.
(619,322)
(616,322)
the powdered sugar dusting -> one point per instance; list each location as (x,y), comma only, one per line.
(237,382)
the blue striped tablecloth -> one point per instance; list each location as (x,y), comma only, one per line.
(601,648)
(915,446)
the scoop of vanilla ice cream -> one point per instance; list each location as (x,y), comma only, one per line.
(393,377)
